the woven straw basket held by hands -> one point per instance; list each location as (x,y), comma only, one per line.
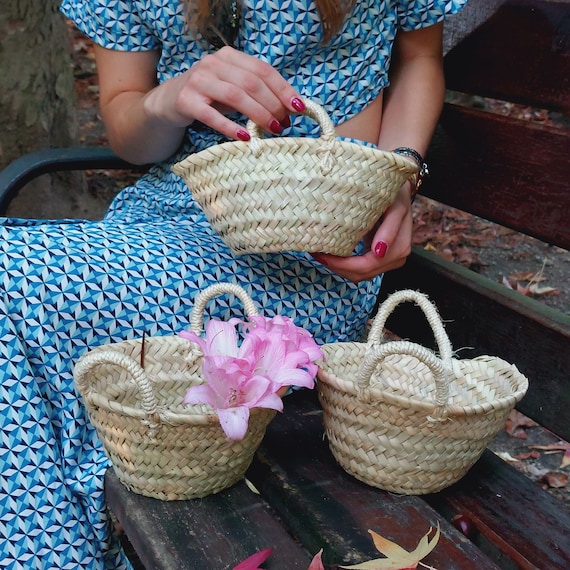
(159,447)
(299,194)
(400,418)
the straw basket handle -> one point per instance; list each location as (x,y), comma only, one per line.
(377,350)
(376,334)
(327,138)
(376,354)
(93,359)
(197,316)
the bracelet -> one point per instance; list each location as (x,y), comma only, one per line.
(418,177)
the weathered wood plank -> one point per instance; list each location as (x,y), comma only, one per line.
(502,505)
(488,318)
(521,53)
(216,532)
(326,508)
(509,171)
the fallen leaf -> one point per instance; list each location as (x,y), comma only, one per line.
(555,479)
(251,486)
(506,283)
(317,563)
(253,562)
(534,289)
(515,424)
(397,558)
(505,456)
(530,455)
(554,448)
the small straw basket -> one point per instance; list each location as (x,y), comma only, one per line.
(159,447)
(400,418)
(294,193)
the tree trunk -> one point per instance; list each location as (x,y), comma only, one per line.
(37,104)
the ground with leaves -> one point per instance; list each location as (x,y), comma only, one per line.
(524,264)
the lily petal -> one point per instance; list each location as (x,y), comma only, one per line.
(234,421)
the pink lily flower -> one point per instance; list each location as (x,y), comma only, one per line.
(231,391)
(221,338)
(269,357)
(273,355)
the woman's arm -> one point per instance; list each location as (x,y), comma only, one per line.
(412,105)
(146,122)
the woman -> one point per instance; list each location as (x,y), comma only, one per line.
(176,77)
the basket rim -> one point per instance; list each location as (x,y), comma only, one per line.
(238,148)
(378,395)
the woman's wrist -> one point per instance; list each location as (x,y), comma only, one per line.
(417,178)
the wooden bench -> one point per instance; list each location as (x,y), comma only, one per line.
(509,171)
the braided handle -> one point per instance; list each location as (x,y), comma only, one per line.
(197,316)
(91,360)
(376,334)
(327,138)
(377,353)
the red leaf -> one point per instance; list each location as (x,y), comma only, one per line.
(253,562)
(317,563)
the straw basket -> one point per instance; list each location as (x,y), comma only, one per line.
(401,418)
(300,194)
(159,447)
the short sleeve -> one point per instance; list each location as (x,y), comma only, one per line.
(413,14)
(113,24)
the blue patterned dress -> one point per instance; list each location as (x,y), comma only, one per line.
(71,285)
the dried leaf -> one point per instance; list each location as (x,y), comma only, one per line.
(555,479)
(556,447)
(251,486)
(317,563)
(397,558)
(552,447)
(506,283)
(530,455)
(505,456)
(515,424)
(536,290)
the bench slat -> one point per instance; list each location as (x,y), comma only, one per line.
(534,63)
(509,171)
(217,532)
(327,508)
(497,499)
(518,329)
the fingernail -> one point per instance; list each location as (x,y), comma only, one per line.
(297,104)
(286,122)
(380,248)
(243,135)
(275,127)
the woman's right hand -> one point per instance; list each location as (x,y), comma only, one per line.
(146,122)
(221,82)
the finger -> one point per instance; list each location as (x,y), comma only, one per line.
(248,85)
(281,89)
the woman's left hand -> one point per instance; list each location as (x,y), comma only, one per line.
(390,244)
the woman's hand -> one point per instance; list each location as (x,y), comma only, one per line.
(224,81)
(146,122)
(390,244)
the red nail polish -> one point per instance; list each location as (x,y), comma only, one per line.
(380,248)
(243,135)
(286,122)
(297,104)
(275,127)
